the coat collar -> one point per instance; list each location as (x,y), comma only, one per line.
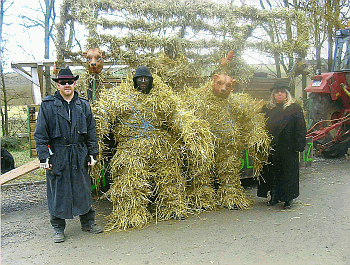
(60,101)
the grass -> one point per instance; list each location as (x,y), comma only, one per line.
(17,111)
(21,155)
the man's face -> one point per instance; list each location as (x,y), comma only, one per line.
(66,88)
(142,83)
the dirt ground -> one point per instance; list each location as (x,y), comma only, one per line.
(314,231)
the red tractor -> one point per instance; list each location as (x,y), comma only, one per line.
(329,102)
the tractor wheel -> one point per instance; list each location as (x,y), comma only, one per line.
(322,107)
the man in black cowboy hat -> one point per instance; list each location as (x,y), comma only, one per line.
(66,145)
(66,83)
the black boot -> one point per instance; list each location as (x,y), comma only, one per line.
(272,202)
(94,229)
(58,236)
(287,205)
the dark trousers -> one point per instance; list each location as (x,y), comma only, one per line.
(86,220)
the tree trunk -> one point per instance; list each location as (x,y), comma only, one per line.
(332,7)
(278,65)
(4,114)
(289,38)
(330,51)
(318,57)
(318,44)
(48,14)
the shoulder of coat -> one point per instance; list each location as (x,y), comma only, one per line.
(49,98)
(83,99)
(265,108)
(296,106)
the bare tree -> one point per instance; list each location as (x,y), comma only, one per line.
(325,16)
(193,35)
(4,113)
(50,15)
(47,23)
(282,33)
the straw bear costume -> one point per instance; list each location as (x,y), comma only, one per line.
(153,134)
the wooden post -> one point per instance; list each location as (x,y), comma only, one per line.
(36,86)
(32,116)
(303,85)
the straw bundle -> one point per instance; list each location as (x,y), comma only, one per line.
(86,81)
(154,135)
(256,138)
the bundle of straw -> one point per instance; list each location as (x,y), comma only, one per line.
(86,81)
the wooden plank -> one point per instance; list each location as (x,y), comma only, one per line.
(20,171)
(111,82)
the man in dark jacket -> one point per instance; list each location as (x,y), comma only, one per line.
(66,145)
(285,122)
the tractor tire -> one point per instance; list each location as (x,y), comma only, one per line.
(322,107)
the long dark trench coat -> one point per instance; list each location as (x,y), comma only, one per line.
(72,138)
(281,175)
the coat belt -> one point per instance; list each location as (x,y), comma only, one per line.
(67,145)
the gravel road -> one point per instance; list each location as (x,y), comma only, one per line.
(315,231)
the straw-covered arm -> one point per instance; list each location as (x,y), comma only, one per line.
(195,134)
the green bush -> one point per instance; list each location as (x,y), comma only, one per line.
(12,143)
(17,125)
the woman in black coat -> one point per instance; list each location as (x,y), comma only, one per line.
(285,122)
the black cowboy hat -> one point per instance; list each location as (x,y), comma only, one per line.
(65,74)
(281,84)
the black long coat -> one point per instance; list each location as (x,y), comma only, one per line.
(72,138)
(281,175)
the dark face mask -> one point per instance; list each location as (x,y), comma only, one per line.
(143,83)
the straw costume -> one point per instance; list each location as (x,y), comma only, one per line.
(238,126)
(154,135)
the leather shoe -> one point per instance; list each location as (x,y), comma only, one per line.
(58,237)
(94,229)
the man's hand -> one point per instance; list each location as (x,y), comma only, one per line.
(44,163)
(92,161)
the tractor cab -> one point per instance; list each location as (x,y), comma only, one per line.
(341,62)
